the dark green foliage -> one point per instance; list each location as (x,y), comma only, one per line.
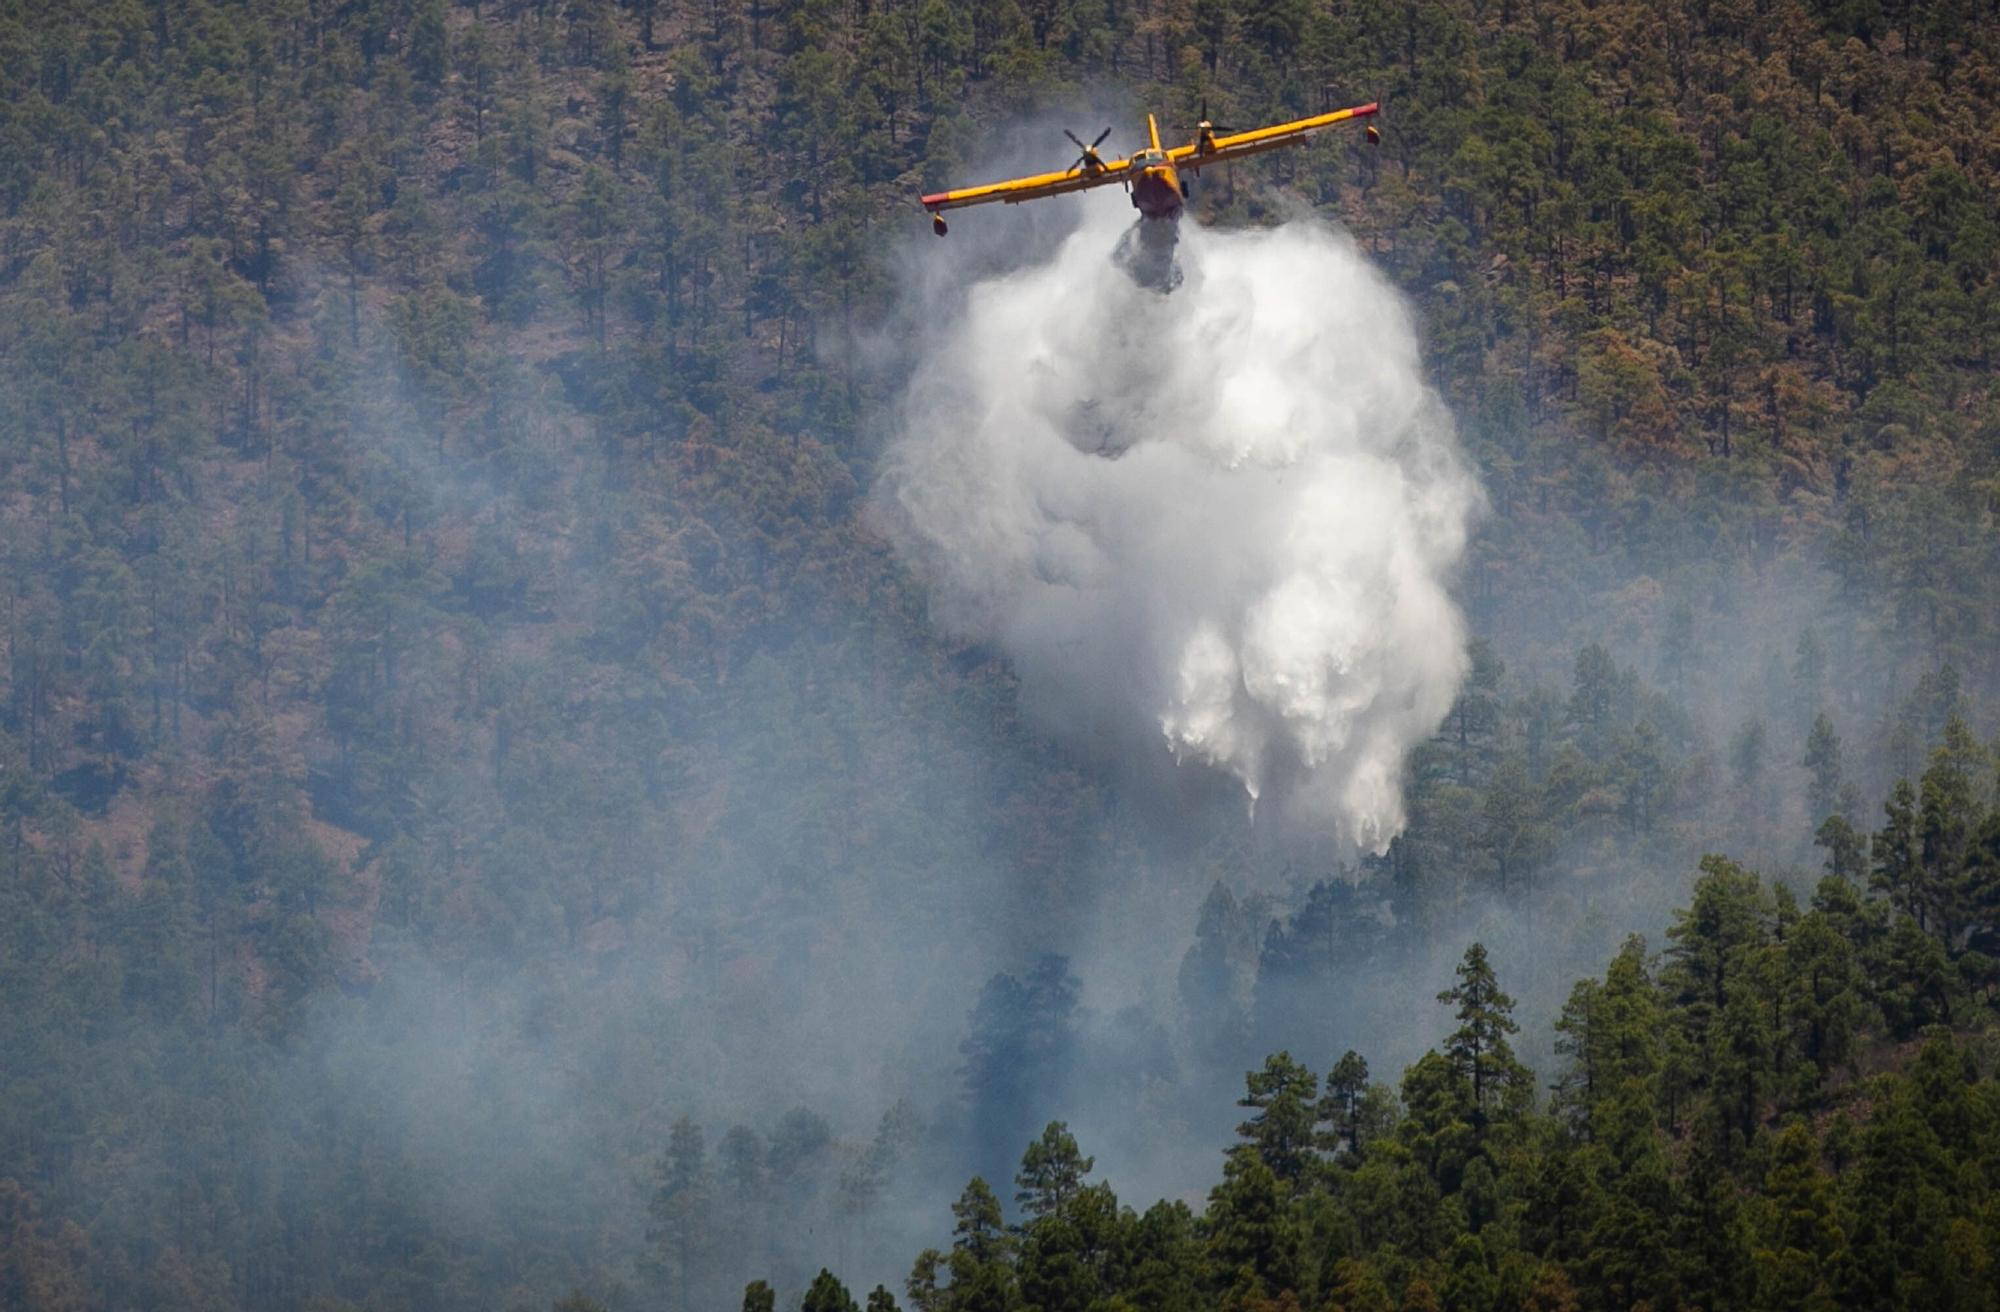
(432,462)
(1284,1100)
(827,1294)
(1829,1191)
(1478,1049)
(1345,1100)
(1052,1172)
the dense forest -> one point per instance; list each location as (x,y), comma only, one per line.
(488,822)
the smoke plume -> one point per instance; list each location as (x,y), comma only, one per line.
(1214,527)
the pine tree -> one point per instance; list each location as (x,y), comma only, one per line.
(1478,1050)
(1342,1107)
(1253,1242)
(1951,805)
(1597,692)
(1357,1287)
(1979,889)
(680,1208)
(826,1294)
(1822,764)
(1019,1053)
(980,1264)
(1799,1245)
(981,1227)
(1846,849)
(1513,833)
(1475,716)
(1897,867)
(1052,1171)
(1214,975)
(1711,942)
(1471,1285)
(1284,1097)
(1823,1002)
(1073,1258)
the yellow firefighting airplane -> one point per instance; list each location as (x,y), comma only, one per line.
(1152,175)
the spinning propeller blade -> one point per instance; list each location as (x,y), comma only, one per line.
(1087,159)
(1212,127)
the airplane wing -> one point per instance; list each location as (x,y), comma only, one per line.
(1015,190)
(1214,150)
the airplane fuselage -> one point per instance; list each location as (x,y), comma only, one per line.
(1156,192)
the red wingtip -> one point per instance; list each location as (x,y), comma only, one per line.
(935,199)
(1372,107)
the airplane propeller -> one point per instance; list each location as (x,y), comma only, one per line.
(1213,127)
(1087,159)
(1205,131)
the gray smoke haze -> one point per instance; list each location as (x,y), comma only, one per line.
(1215,527)
(1218,528)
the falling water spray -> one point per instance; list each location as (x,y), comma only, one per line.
(1216,527)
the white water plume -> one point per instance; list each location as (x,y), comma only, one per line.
(1218,524)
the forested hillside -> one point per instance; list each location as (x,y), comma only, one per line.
(1655,1174)
(462,734)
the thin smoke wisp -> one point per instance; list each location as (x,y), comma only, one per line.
(1215,527)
